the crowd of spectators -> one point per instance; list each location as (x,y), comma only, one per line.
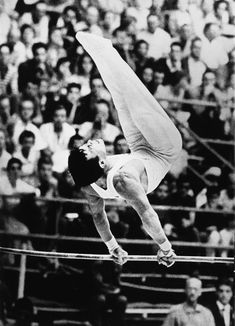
(52,98)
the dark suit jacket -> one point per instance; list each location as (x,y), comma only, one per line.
(219,321)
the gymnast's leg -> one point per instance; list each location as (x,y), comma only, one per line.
(140,115)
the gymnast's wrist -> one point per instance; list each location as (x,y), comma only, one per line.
(165,246)
(112,244)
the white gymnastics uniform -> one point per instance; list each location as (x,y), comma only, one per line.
(150,134)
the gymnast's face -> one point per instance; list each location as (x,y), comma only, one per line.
(94,148)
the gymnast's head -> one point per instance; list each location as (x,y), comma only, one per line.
(87,162)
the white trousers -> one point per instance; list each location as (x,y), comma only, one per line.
(146,126)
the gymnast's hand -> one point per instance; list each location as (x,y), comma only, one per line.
(166,258)
(119,255)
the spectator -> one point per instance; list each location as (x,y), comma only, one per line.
(72,101)
(56,135)
(87,108)
(24,122)
(5,23)
(105,293)
(222,309)
(227,195)
(85,71)
(91,22)
(147,78)
(4,155)
(64,74)
(159,40)
(122,42)
(215,47)
(141,57)
(181,14)
(192,64)
(172,64)
(27,155)
(118,227)
(101,128)
(185,39)
(120,145)
(34,69)
(227,236)
(8,73)
(27,41)
(55,49)
(190,311)
(160,90)
(39,19)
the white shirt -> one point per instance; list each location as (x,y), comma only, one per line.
(196,71)
(20,126)
(225,312)
(29,166)
(5,25)
(52,140)
(159,42)
(215,53)
(109,133)
(4,158)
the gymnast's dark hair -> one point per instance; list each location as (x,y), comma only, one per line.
(83,171)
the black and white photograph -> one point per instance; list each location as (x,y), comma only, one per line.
(117,151)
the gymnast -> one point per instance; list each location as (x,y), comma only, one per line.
(154,142)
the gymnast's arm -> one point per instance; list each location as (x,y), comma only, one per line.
(97,207)
(128,185)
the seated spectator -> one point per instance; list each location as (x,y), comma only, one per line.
(5,22)
(87,108)
(122,42)
(141,57)
(6,116)
(159,40)
(100,128)
(118,227)
(91,21)
(160,90)
(48,186)
(215,47)
(190,312)
(227,195)
(187,232)
(104,293)
(28,156)
(39,19)
(227,236)
(192,64)
(185,39)
(56,135)
(27,41)
(64,74)
(8,73)
(181,14)
(72,101)
(222,309)
(4,155)
(85,69)
(120,145)
(147,78)
(34,69)
(24,122)
(172,64)
(55,49)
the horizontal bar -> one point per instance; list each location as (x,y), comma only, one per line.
(64,255)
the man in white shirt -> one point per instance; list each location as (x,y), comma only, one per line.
(101,128)
(159,40)
(57,134)
(215,47)
(26,112)
(222,310)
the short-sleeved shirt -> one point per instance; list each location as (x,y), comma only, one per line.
(184,315)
